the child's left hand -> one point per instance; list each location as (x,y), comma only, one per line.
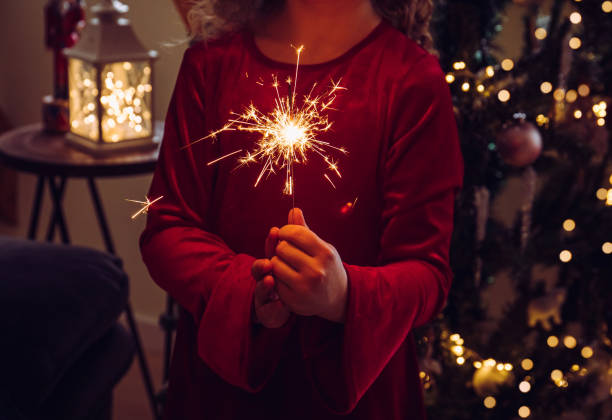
(310,274)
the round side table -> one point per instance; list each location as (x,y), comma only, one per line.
(54,161)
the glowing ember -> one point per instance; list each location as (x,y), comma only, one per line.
(146,205)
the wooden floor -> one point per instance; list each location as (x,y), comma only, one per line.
(130,399)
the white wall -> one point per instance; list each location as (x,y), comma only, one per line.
(26,75)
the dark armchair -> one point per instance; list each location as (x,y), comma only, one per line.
(62,349)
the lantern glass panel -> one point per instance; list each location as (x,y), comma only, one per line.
(126,101)
(82,84)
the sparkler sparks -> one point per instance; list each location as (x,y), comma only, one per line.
(146,205)
(288,133)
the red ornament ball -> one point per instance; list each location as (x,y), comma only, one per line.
(519,143)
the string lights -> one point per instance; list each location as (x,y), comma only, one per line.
(456,345)
(125,101)
(575,43)
(569,225)
(507,64)
(560,95)
(524,412)
(577,104)
(565,256)
(503,95)
(540,33)
(575,18)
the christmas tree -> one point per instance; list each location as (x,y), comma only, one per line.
(541,348)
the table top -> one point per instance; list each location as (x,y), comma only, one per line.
(29,149)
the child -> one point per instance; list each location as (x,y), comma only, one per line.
(312,320)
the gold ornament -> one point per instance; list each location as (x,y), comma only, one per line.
(544,309)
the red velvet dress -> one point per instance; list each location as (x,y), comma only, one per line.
(404,166)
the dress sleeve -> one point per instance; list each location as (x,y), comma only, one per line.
(423,171)
(196,267)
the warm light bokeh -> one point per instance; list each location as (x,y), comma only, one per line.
(125,100)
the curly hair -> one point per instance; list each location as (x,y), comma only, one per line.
(210,18)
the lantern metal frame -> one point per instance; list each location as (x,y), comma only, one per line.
(108,38)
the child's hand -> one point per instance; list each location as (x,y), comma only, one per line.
(269,309)
(311,279)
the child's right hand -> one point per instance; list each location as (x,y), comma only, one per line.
(269,309)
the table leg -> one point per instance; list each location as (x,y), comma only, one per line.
(57,194)
(168,323)
(54,221)
(40,188)
(108,241)
(144,367)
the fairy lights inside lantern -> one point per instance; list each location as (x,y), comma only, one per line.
(110,76)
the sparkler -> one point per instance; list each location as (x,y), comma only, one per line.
(287,134)
(146,205)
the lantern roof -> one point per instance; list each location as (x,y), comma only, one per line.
(108,37)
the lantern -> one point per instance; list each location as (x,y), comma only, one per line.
(110,78)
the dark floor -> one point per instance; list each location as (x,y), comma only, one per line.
(130,400)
